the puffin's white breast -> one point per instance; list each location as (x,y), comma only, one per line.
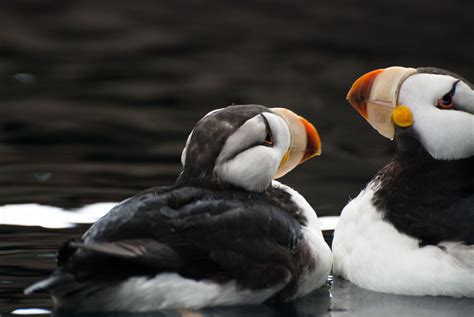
(370,252)
(315,278)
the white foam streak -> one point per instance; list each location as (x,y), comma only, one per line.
(30,311)
(51,217)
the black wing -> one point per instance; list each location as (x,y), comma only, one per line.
(197,233)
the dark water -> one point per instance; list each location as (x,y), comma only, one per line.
(97,98)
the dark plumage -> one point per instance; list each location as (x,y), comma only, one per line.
(198,233)
(428,199)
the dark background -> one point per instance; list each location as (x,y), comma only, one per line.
(97,97)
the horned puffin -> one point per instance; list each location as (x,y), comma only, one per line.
(225,233)
(411,230)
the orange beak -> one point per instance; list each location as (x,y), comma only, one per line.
(313,141)
(374,96)
(305,141)
(360,91)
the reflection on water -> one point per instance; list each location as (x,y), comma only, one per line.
(338,299)
(350,300)
(315,305)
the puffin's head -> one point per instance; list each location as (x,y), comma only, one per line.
(431,105)
(246,146)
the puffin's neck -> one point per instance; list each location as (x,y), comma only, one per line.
(203,178)
(277,195)
(429,199)
(195,178)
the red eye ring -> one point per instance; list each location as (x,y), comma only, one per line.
(446,102)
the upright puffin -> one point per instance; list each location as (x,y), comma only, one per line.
(411,230)
(225,233)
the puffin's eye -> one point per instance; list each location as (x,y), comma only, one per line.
(268,139)
(447,101)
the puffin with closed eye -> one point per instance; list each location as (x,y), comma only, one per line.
(411,230)
(226,233)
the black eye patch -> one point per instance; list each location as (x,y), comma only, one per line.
(453,89)
(269,136)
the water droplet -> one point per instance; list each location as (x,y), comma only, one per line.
(42,176)
(24,78)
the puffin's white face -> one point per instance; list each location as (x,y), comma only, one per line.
(252,154)
(443,114)
(265,146)
(432,103)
